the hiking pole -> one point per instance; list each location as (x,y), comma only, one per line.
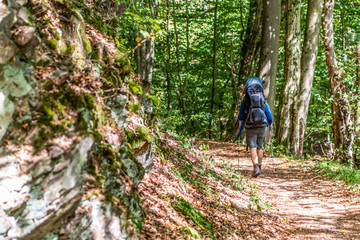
(272,154)
(239,156)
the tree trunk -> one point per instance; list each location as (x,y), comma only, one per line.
(253,30)
(357,110)
(342,132)
(270,48)
(248,49)
(168,57)
(287,114)
(232,123)
(211,120)
(181,87)
(146,52)
(187,46)
(308,63)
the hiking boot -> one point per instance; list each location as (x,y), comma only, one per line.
(257,170)
(260,168)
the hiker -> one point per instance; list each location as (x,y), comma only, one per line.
(255,116)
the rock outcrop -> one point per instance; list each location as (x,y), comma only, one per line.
(73,146)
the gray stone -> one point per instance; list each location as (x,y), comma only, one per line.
(5,223)
(42,167)
(21,2)
(23,17)
(30,48)
(7,18)
(24,34)
(146,159)
(118,110)
(55,151)
(7,109)
(7,48)
(60,166)
(14,82)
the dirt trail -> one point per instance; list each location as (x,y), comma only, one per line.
(316,207)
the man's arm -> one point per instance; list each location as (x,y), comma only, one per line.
(268,114)
(242,115)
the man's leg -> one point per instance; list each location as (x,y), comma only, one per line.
(251,139)
(260,143)
(254,156)
(260,155)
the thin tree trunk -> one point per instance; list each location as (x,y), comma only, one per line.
(251,38)
(146,52)
(308,63)
(211,120)
(342,132)
(270,48)
(232,125)
(287,114)
(357,110)
(168,57)
(248,49)
(187,46)
(150,54)
(181,88)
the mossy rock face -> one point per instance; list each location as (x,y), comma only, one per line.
(67,48)
(87,45)
(141,137)
(52,43)
(144,133)
(123,64)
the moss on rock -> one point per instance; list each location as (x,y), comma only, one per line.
(52,43)
(67,48)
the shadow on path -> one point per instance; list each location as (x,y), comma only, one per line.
(318,207)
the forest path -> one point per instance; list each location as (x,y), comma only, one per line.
(317,208)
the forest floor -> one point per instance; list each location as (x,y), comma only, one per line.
(193,194)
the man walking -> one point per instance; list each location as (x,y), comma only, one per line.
(255,116)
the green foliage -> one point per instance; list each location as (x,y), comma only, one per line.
(338,171)
(52,43)
(191,233)
(136,139)
(188,210)
(135,88)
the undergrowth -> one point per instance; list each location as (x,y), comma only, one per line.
(188,210)
(338,171)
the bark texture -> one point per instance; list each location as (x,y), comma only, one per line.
(270,48)
(248,52)
(308,63)
(287,114)
(214,72)
(341,127)
(251,39)
(357,110)
(168,56)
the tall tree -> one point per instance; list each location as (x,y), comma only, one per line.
(181,90)
(211,120)
(168,55)
(287,114)
(144,55)
(253,30)
(341,114)
(308,62)
(270,48)
(247,55)
(357,110)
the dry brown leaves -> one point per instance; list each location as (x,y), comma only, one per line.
(207,188)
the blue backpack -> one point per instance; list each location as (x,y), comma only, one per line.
(254,103)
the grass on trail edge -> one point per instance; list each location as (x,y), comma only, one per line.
(339,171)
